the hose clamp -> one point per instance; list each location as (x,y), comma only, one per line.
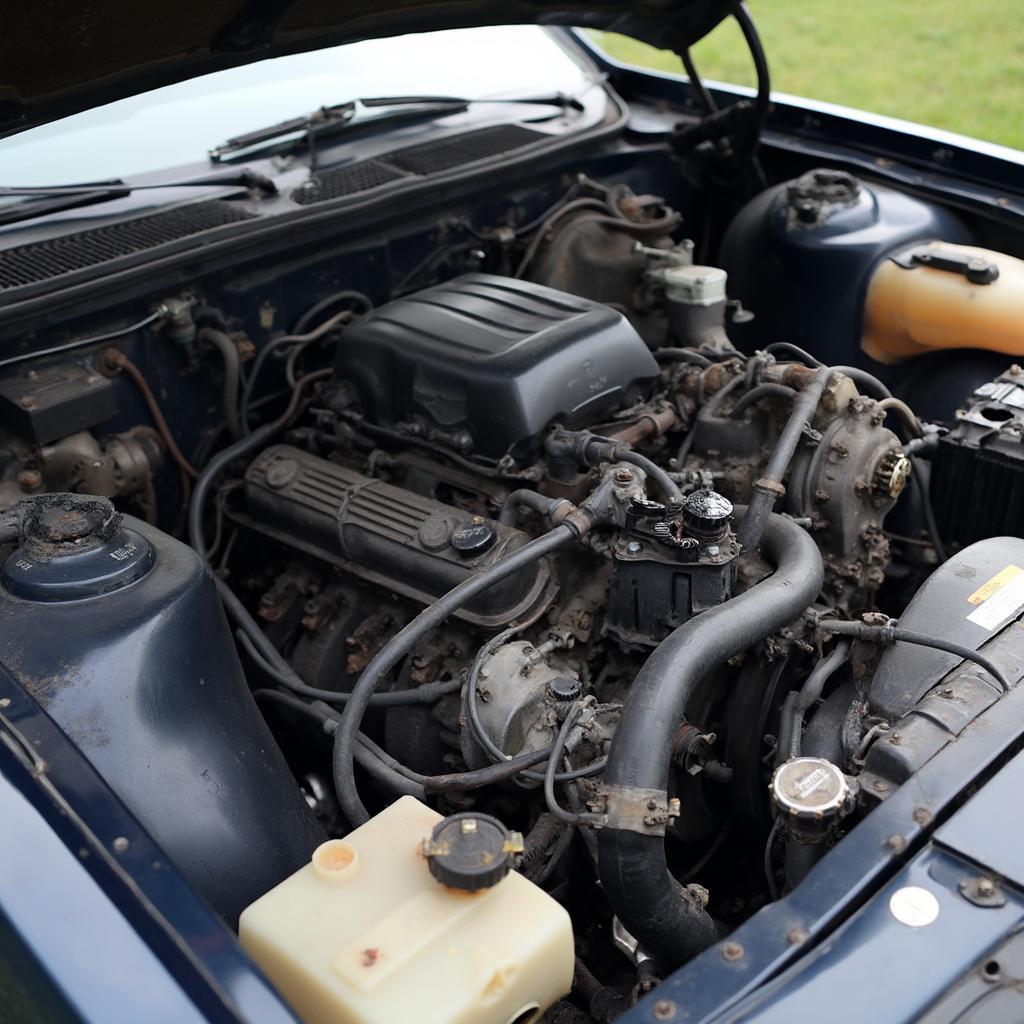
(647,812)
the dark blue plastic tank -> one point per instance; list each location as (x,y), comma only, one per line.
(800,256)
(117,631)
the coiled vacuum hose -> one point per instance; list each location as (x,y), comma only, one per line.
(634,873)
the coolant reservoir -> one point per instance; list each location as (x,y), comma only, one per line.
(943,296)
(366,934)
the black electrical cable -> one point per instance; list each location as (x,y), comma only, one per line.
(706,101)
(272,346)
(430,693)
(682,355)
(557,751)
(119,332)
(345,295)
(399,646)
(889,633)
(368,755)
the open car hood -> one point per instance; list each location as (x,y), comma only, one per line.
(63,56)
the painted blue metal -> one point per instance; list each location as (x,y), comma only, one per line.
(846,878)
(876,968)
(103,929)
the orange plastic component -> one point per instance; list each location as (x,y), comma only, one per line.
(917,309)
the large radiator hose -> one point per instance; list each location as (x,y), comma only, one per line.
(631,855)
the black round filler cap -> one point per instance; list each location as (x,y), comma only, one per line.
(473,537)
(706,514)
(74,546)
(470,851)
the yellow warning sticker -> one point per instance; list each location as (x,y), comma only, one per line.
(994,585)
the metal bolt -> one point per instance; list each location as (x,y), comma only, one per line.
(879,786)
(797,936)
(623,475)
(30,479)
(922,816)
(946,691)
(732,951)
(120,844)
(633,547)
(986,887)
(5,702)
(895,737)
(664,1009)
(897,844)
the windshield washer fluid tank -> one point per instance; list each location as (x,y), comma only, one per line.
(365,933)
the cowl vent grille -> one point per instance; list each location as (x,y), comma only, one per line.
(456,150)
(419,161)
(346,181)
(41,261)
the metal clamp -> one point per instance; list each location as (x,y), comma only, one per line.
(647,812)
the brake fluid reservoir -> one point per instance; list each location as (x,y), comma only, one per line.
(373,930)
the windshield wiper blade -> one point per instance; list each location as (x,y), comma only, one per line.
(340,117)
(117,189)
(344,117)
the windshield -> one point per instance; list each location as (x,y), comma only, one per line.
(180,123)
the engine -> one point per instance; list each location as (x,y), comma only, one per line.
(547,550)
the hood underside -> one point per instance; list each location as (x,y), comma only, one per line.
(58,57)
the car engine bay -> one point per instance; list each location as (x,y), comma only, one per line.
(549,523)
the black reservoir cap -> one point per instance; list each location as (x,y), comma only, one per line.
(706,514)
(471,851)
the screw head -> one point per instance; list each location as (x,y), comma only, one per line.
(664,1009)
(732,951)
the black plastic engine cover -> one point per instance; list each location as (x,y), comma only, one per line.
(494,358)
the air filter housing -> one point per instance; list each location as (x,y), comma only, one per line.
(486,363)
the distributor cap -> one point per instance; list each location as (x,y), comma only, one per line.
(471,851)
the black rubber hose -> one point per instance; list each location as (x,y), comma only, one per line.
(889,633)
(810,692)
(682,355)
(668,487)
(633,870)
(755,394)
(525,498)
(769,486)
(399,646)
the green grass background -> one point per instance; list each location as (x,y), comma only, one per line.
(954,64)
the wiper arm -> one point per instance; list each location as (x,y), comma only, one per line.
(345,117)
(340,117)
(117,189)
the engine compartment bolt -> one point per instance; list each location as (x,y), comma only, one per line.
(732,951)
(30,479)
(664,1009)
(633,547)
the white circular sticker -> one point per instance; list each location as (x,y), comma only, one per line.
(913,906)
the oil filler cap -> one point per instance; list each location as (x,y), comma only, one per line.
(471,851)
(73,546)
